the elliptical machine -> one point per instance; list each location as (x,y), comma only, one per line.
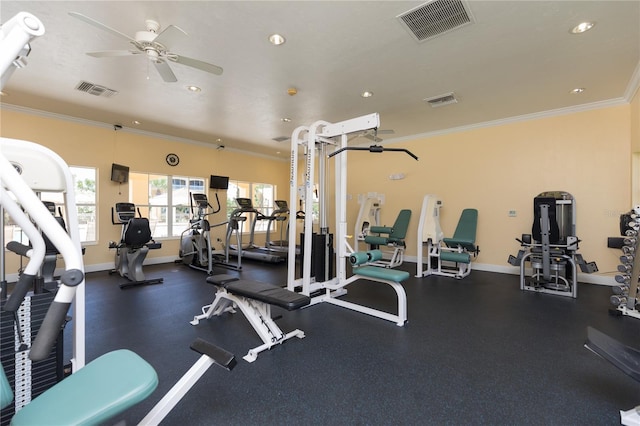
(135,243)
(195,241)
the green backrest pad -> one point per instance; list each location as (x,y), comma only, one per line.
(6,394)
(102,389)
(465,235)
(396,234)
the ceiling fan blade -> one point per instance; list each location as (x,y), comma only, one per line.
(190,62)
(169,35)
(165,71)
(386,132)
(100,25)
(113,53)
(373,138)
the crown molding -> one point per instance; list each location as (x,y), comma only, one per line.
(56,116)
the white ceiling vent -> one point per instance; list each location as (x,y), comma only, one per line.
(442,100)
(95,89)
(435,18)
(281,138)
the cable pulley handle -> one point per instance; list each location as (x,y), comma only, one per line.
(373,148)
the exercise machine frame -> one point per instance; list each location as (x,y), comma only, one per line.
(320,136)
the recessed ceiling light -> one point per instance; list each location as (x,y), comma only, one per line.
(193,88)
(577,90)
(582,27)
(366,94)
(285,120)
(136,122)
(276,39)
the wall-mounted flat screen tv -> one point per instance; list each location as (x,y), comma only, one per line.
(219,182)
(119,173)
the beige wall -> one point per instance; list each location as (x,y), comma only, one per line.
(87,145)
(494,169)
(502,168)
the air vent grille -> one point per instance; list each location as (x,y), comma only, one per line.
(435,18)
(442,100)
(95,89)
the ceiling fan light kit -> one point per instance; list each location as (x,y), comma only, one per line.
(155,45)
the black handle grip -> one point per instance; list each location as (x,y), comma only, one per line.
(18,248)
(217,354)
(24,284)
(49,330)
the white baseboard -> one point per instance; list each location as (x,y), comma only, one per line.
(97,267)
(600,279)
(596,278)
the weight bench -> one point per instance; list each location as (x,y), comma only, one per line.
(626,358)
(109,385)
(254,298)
(460,249)
(392,237)
(362,269)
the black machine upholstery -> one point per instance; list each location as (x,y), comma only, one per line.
(554,230)
(137,232)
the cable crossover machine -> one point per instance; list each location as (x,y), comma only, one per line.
(326,141)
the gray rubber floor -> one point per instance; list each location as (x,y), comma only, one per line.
(475,351)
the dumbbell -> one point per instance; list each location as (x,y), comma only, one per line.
(617,300)
(625,268)
(620,290)
(623,279)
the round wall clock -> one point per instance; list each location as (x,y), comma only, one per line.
(173,159)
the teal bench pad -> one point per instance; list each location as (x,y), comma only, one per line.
(102,389)
(381,273)
(455,257)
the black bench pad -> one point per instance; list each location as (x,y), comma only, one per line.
(221,279)
(268,293)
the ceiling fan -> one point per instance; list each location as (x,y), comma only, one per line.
(154,45)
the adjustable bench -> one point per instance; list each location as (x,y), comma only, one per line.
(362,269)
(394,238)
(254,298)
(626,358)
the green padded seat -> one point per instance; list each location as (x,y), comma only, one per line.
(6,394)
(102,389)
(381,273)
(396,234)
(465,235)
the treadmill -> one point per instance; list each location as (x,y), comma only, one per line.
(246,212)
(280,214)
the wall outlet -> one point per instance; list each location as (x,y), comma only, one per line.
(513,213)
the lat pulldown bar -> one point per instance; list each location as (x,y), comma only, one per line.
(373,148)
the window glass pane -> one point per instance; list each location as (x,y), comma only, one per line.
(158,190)
(166,206)
(84,179)
(262,196)
(158,221)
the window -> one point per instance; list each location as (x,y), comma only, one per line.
(262,196)
(167,208)
(84,179)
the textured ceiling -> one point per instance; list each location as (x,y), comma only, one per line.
(516,58)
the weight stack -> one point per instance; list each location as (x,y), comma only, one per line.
(319,257)
(28,379)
